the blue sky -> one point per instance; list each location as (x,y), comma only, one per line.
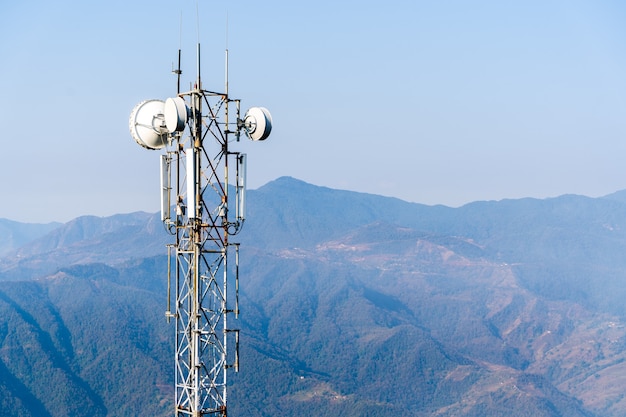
(435,102)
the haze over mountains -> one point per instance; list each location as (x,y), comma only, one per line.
(352,305)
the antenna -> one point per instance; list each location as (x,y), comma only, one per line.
(178,72)
(147,124)
(204,178)
(199,84)
(226,60)
(258,123)
(226,72)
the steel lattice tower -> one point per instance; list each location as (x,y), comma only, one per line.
(201,267)
(202,206)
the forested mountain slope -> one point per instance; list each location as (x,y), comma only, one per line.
(352,304)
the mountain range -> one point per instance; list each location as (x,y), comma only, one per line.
(352,304)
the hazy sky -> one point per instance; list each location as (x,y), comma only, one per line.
(436,102)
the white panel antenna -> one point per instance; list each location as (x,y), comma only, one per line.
(191,185)
(241,187)
(165,187)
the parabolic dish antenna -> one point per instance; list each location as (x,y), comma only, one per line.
(258,123)
(147,124)
(176,114)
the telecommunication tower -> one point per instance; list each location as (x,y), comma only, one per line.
(203,185)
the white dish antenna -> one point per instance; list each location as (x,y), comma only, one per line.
(147,124)
(176,114)
(258,123)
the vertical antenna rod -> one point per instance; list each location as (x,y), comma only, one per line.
(199,85)
(178,72)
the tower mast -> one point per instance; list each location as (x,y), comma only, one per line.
(202,271)
(202,206)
